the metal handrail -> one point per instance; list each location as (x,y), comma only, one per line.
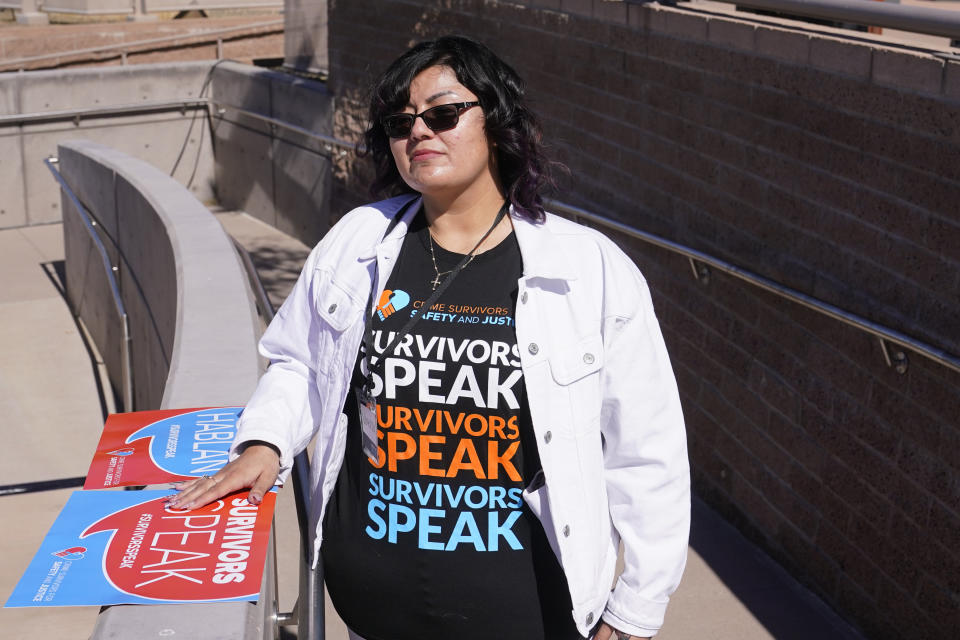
(147,106)
(307,614)
(885,334)
(329,143)
(89,223)
(125,46)
(199,5)
(928,20)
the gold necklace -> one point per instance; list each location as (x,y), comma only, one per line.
(470,256)
(436,280)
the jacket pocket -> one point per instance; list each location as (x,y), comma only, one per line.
(576,371)
(338,310)
(569,365)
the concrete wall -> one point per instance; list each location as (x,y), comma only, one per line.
(279,176)
(175,142)
(305,35)
(825,161)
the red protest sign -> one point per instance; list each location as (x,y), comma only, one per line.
(152,447)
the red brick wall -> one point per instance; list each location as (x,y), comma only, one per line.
(828,164)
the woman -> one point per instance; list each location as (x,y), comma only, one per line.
(494,407)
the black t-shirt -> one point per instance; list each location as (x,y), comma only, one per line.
(433,539)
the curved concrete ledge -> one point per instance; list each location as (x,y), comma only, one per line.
(192,320)
(193,326)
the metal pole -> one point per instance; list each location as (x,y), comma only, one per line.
(127,363)
(106,111)
(110,271)
(309,612)
(29,13)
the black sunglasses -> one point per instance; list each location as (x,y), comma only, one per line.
(442,117)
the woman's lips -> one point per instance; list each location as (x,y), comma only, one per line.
(424,154)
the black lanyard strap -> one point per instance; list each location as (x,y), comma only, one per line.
(374,364)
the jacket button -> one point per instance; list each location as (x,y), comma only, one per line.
(523,297)
(332,308)
(566,531)
(533,348)
(590,618)
(588,358)
(547,437)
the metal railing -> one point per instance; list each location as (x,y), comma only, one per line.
(220,109)
(150,6)
(76,115)
(256,28)
(928,20)
(308,613)
(110,272)
(886,336)
(330,144)
(896,359)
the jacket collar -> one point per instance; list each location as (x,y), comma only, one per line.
(542,250)
(390,243)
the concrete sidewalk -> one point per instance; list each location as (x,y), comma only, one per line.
(53,414)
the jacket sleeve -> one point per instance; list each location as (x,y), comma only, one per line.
(285,406)
(645,462)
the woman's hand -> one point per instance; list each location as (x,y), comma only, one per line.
(607,632)
(257,467)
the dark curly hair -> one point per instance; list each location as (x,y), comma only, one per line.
(522,164)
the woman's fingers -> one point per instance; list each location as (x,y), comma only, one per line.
(198,492)
(263,484)
(256,467)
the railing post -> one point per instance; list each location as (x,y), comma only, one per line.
(28,13)
(140,13)
(309,614)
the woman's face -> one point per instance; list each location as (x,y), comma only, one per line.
(447,163)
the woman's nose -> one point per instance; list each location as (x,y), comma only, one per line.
(420,130)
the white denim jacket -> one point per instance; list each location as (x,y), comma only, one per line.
(603,399)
